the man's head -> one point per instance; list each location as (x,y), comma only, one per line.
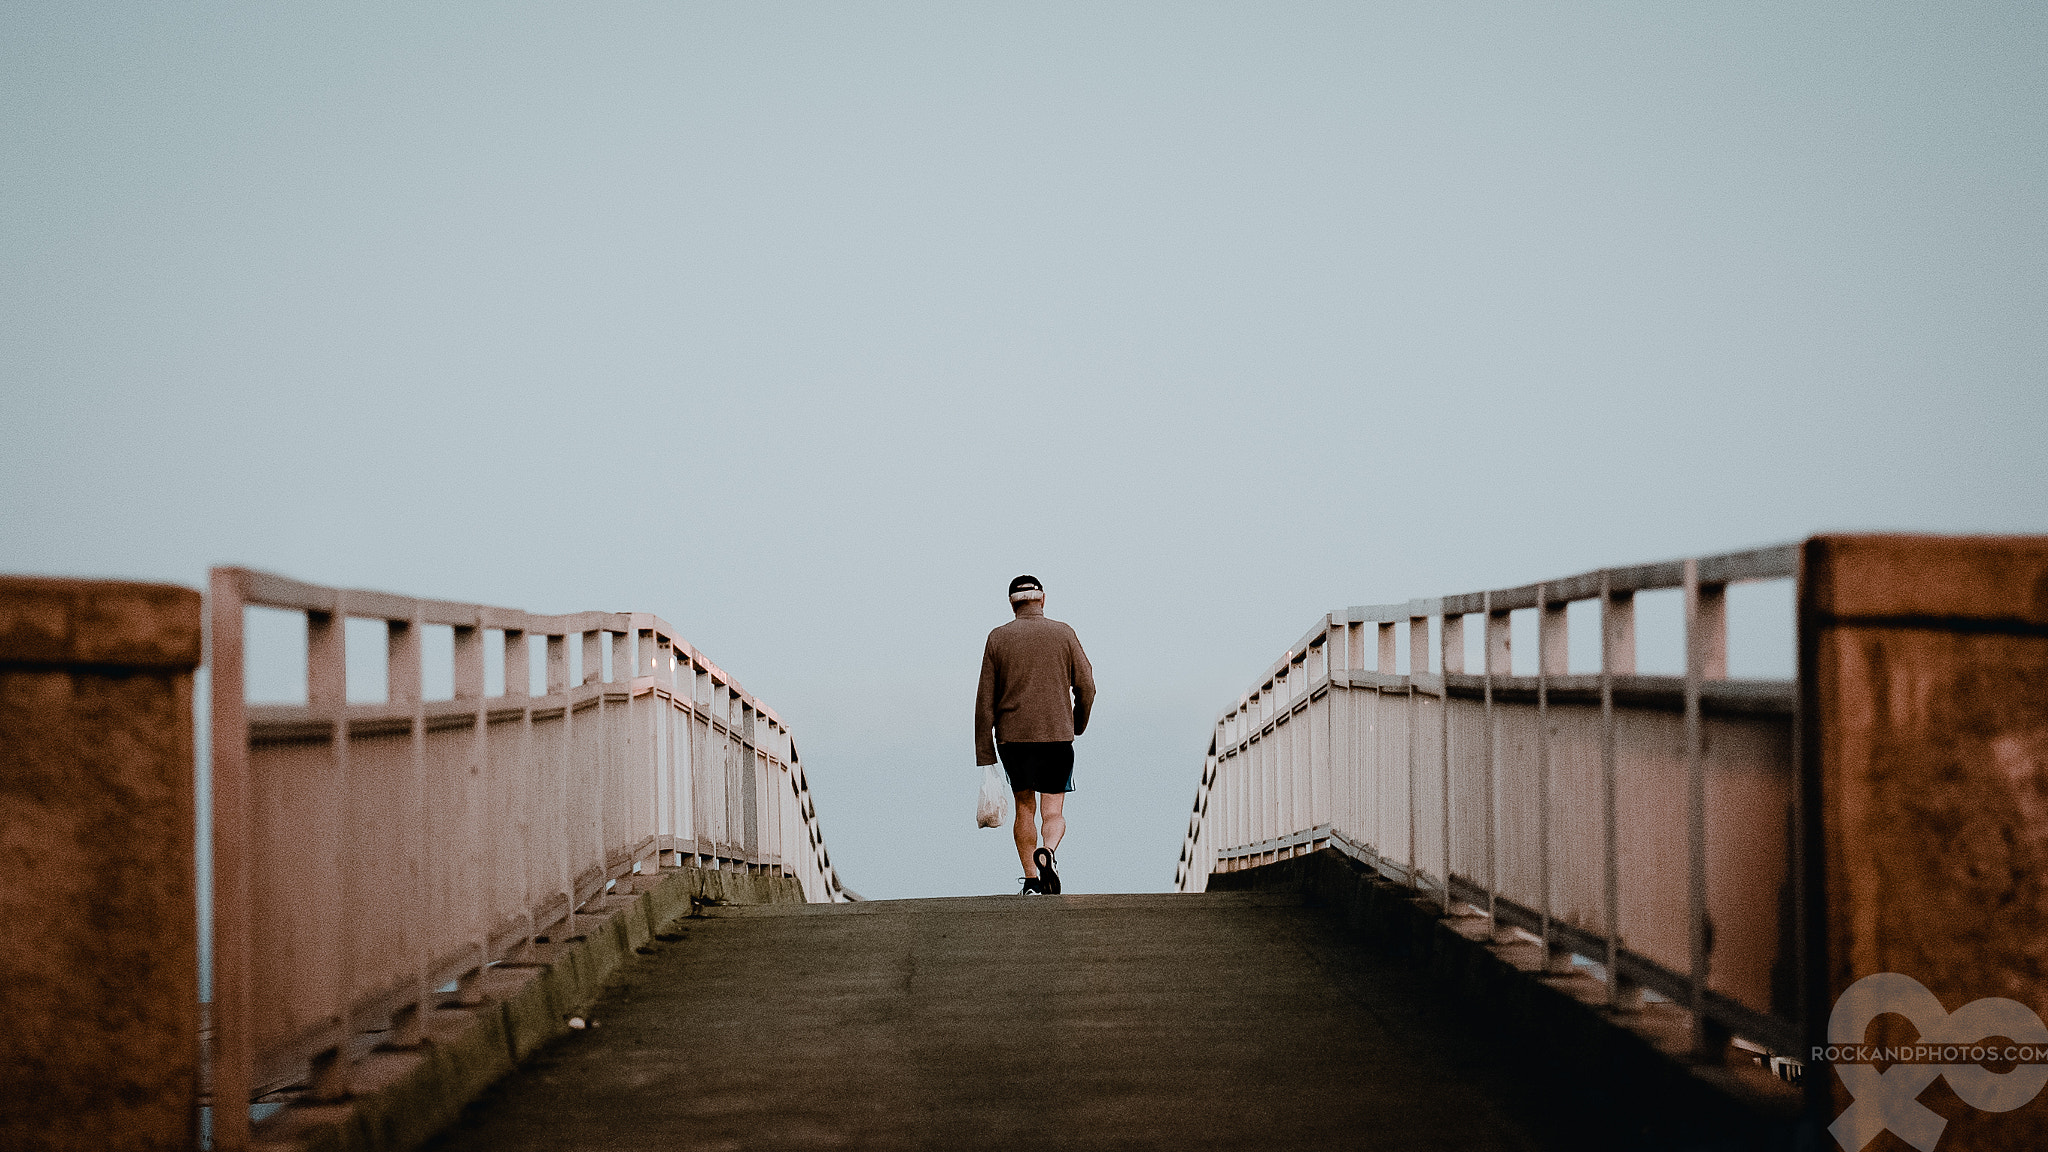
(1026,593)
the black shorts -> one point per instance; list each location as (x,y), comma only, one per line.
(1038,766)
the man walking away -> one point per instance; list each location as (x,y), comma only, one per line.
(1036,689)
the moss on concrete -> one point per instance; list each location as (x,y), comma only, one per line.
(403,1098)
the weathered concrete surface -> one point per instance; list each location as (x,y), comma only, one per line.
(1630,1078)
(1236,1020)
(98,963)
(1925,662)
(402,1097)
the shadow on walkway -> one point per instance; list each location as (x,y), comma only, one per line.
(1224,1020)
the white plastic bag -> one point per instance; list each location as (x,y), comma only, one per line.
(989,812)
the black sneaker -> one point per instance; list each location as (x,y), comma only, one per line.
(1048,879)
(1033,886)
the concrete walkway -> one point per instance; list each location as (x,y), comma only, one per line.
(1228,1020)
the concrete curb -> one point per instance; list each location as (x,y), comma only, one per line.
(403,1098)
(1638,1060)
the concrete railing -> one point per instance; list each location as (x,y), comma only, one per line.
(1645,823)
(369,854)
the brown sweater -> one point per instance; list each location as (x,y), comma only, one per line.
(1028,669)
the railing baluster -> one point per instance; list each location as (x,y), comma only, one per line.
(700,788)
(1498,664)
(1325,759)
(549,815)
(750,798)
(1354,658)
(597,782)
(1414,769)
(1450,658)
(1552,659)
(1617,658)
(562,769)
(502,787)
(403,643)
(233,1049)
(473,853)
(328,881)
(525,792)
(1705,657)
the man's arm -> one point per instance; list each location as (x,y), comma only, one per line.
(985,710)
(1084,686)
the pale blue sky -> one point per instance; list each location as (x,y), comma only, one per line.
(808,326)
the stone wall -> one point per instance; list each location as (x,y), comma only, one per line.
(1925,666)
(99,956)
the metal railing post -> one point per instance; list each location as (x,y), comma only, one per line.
(524,795)
(642,755)
(557,663)
(697,721)
(1553,648)
(1705,657)
(1497,664)
(1414,768)
(1323,757)
(404,671)
(327,698)
(1384,664)
(1255,777)
(662,716)
(1450,658)
(1237,798)
(1350,819)
(615,769)
(750,797)
(599,783)
(564,821)
(1283,753)
(1617,658)
(475,848)
(519,688)
(548,799)
(233,1052)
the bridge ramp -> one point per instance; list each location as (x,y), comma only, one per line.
(1220,1020)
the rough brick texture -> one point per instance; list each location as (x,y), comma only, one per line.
(99,960)
(1927,679)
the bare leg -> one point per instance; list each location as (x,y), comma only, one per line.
(1026,830)
(1054,804)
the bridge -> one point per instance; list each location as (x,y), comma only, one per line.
(583,897)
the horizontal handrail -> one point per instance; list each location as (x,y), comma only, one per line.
(1779,562)
(1646,823)
(368,854)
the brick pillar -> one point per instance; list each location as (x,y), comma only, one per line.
(98,926)
(1924,673)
